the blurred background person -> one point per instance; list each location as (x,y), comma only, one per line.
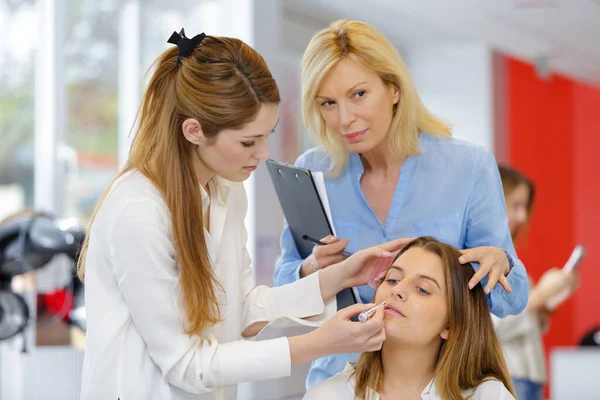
(521,335)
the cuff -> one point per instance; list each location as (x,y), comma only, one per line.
(298,299)
(244,361)
(511,261)
(298,269)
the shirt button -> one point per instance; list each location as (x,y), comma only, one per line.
(384,234)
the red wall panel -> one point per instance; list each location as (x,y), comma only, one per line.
(553,136)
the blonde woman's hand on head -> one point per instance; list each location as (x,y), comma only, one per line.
(493,263)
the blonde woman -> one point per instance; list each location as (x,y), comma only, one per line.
(168,287)
(440,341)
(393,171)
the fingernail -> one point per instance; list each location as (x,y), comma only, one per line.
(471,285)
(461,260)
(487,290)
(386,253)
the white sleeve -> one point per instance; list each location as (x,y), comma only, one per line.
(515,326)
(300,299)
(144,263)
(492,389)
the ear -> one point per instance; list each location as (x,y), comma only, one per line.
(395,94)
(192,131)
(444,333)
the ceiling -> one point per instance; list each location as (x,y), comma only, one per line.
(563,34)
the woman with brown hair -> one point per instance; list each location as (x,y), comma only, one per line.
(521,335)
(169,289)
(440,341)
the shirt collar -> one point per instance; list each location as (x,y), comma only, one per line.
(222,186)
(357,168)
(429,393)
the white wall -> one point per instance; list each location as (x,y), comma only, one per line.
(454,81)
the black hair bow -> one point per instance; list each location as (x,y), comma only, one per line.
(185,44)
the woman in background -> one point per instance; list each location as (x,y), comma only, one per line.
(521,335)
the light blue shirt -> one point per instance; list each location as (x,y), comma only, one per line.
(451,191)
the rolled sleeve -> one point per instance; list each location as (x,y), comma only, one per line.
(487,225)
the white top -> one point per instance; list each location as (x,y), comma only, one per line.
(521,339)
(341,387)
(136,347)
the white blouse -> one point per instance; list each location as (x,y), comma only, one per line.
(521,339)
(135,346)
(341,387)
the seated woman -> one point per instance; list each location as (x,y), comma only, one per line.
(440,341)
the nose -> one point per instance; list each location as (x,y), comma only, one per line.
(347,116)
(400,291)
(522,216)
(262,151)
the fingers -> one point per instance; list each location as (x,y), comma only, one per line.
(478,276)
(492,280)
(470,255)
(495,276)
(355,309)
(504,282)
(376,326)
(395,245)
(365,255)
(334,246)
(329,239)
(330,260)
(373,324)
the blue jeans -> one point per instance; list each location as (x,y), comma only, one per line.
(528,390)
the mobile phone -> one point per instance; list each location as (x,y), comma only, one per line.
(575,258)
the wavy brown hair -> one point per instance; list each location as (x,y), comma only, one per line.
(472,352)
(222,84)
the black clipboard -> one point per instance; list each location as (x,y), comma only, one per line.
(304,212)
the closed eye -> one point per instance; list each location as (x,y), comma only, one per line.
(248,144)
(422,291)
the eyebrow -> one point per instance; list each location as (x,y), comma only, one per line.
(348,91)
(420,276)
(257,136)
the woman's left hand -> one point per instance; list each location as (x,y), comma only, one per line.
(493,262)
(364,265)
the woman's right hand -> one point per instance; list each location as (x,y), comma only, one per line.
(553,288)
(555,281)
(340,335)
(324,256)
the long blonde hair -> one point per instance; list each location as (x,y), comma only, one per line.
(365,45)
(472,352)
(222,84)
